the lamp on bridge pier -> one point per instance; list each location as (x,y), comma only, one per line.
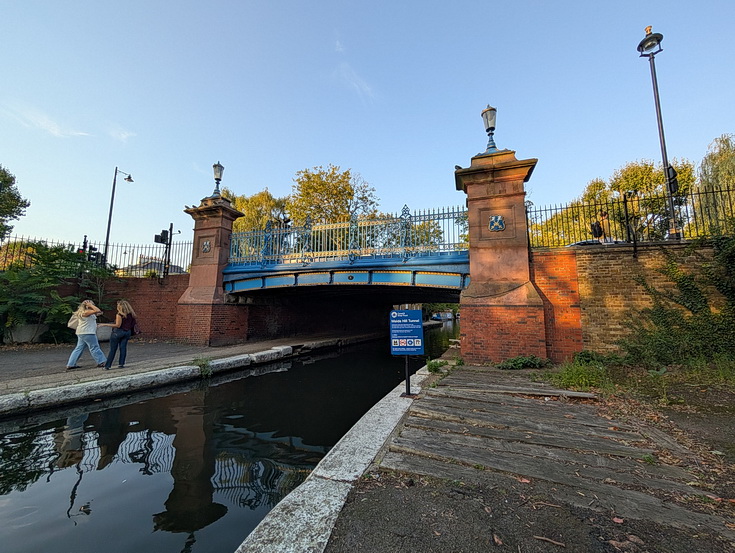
(489,115)
(648,48)
(218,170)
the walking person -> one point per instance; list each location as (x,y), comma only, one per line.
(122,329)
(86,332)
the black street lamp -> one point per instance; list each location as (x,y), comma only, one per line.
(648,48)
(218,170)
(128,178)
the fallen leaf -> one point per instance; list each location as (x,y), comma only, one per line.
(497,540)
(618,520)
(524,480)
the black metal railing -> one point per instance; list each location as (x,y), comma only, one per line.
(127,260)
(633,218)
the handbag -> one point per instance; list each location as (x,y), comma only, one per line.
(73,321)
(136,329)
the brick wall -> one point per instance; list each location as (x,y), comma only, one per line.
(554,273)
(596,315)
(500,332)
(154,301)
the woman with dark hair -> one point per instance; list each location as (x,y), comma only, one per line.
(122,329)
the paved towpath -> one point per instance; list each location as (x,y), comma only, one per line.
(36,376)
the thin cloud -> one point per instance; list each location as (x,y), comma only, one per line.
(31,117)
(120,134)
(338,46)
(354,81)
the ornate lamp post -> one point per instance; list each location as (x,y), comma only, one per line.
(489,115)
(218,170)
(648,48)
(128,178)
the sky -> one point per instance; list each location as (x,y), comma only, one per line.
(392,90)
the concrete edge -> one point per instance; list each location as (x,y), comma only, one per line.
(303,521)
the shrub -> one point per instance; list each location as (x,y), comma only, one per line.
(524,362)
(580,376)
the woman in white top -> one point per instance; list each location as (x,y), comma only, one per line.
(87,335)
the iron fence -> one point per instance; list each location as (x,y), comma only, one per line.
(384,236)
(127,260)
(633,218)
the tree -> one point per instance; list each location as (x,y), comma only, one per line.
(12,204)
(717,174)
(257,210)
(717,169)
(330,195)
(640,183)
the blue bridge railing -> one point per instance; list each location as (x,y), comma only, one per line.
(386,236)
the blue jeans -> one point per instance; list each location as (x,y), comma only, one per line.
(86,341)
(119,337)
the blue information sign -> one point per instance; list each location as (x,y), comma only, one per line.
(406,332)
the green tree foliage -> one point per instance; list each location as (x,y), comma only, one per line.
(12,204)
(29,286)
(717,173)
(640,183)
(258,210)
(330,195)
(689,322)
(717,169)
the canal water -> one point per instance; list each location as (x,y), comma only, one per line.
(193,468)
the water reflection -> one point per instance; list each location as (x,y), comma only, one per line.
(192,470)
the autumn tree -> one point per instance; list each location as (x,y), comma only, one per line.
(12,204)
(640,183)
(258,210)
(330,195)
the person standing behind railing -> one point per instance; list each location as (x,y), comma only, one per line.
(605,225)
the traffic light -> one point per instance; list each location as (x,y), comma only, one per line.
(673,182)
(161,238)
(92,255)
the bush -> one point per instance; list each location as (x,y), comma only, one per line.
(524,362)
(580,376)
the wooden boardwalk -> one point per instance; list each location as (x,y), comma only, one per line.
(478,422)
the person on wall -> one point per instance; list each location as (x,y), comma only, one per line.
(122,329)
(86,331)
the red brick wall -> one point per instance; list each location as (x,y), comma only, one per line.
(154,301)
(499,332)
(554,273)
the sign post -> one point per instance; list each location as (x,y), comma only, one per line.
(406,338)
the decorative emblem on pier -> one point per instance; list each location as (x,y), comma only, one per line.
(497,223)
(206,246)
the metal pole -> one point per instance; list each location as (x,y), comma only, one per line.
(673,231)
(408,379)
(109,217)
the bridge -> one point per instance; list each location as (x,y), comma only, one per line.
(427,249)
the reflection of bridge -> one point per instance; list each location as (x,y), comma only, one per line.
(427,249)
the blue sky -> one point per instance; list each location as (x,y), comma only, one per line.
(392,90)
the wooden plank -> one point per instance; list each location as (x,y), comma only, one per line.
(556,465)
(574,441)
(624,470)
(605,498)
(510,404)
(458,411)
